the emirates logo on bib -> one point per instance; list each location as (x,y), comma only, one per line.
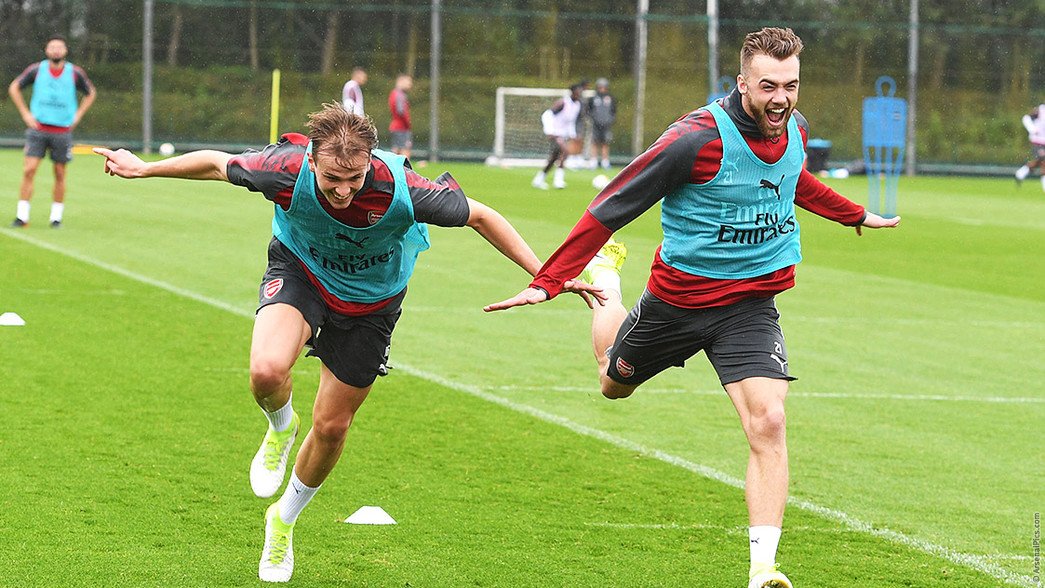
(624,368)
(273,287)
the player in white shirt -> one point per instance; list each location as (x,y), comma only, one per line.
(352,93)
(560,125)
(1034,122)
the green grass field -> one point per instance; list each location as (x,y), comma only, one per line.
(914,429)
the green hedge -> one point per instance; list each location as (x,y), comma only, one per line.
(230,105)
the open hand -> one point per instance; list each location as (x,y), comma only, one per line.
(873,221)
(527,296)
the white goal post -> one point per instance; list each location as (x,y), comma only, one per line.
(519,138)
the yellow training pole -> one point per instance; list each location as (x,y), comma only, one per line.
(274,115)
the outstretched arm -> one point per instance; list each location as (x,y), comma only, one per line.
(873,221)
(501,234)
(197,165)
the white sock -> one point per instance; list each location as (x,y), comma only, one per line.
(56,211)
(1022,173)
(280,419)
(1043,182)
(539,178)
(606,163)
(560,175)
(22,211)
(764,541)
(294,499)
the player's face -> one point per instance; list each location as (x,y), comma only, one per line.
(56,50)
(339,183)
(769,92)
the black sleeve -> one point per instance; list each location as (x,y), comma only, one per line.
(440,202)
(28,76)
(83,83)
(665,166)
(270,171)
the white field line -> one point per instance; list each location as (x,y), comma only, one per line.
(790,317)
(976,562)
(791,395)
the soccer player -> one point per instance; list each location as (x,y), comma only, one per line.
(728,176)
(352,92)
(602,109)
(560,125)
(349,224)
(1034,122)
(50,118)
(399,105)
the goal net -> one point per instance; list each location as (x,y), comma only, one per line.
(519,138)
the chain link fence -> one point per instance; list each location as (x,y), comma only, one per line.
(979,68)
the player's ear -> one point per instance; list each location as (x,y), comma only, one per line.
(312,162)
(741,84)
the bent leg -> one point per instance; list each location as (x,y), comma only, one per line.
(280,333)
(335,408)
(759,402)
(606,321)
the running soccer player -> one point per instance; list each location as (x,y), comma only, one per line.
(728,176)
(50,118)
(560,125)
(348,226)
(1034,122)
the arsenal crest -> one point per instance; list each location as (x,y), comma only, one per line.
(624,368)
(373,216)
(273,287)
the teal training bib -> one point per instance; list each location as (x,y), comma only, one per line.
(742,223)
(364,265)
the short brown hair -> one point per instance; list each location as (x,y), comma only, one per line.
(774,42)
(341,134)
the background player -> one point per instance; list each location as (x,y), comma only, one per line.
(50,118)
(1034,122)
(728,175)
(348,227)
(352,92)
(399,106)
(602,109)
(560,126)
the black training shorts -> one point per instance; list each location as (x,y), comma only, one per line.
(354,348)
(38,143)
(742,340)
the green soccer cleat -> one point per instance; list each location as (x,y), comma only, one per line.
(270,462)
(277,558)
(610,258)
(768,577)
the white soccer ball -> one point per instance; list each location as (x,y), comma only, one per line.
(599,182)
(167,149)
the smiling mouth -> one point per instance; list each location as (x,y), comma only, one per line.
(776,115)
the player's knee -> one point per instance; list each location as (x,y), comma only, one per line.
(614,390)
(268,376)
(768,428)
(330,431)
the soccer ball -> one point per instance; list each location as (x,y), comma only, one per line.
(167,149)
(599,182)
